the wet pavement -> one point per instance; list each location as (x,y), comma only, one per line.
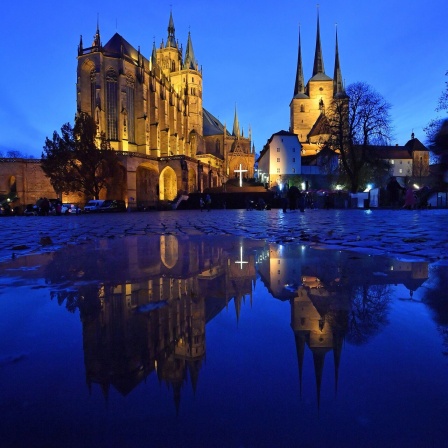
(419,234)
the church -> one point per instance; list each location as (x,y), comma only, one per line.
(288,153)
(151,109)
(307,107)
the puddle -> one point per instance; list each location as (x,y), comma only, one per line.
(222,341)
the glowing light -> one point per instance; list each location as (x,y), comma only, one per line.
(241,171)
(241,262)
(416,186)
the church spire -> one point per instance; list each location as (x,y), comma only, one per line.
(190,61)
(318,58)
(236,125)
(96,38)
(337,77)
(153,58)
(300,84)
(171,39)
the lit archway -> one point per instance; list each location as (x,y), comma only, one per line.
(169,250)
(167,184)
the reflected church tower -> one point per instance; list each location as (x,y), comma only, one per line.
(315,320)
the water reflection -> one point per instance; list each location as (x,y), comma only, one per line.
(145,302)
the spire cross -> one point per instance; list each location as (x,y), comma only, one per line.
(241,262)
(241,171)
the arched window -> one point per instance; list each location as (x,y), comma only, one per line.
(218,146)
(302,108)
(112,104)
(130,94)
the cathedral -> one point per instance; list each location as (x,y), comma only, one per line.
(151,109)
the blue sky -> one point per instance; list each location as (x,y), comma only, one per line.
(247,50)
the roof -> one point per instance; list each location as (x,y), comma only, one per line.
(312,160)
(391,152)
(321,77)
(211,125)
(414,144)
(320,127)
(301,96)
(117,45)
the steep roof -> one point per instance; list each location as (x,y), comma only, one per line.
(211,125)
(320,127)
(318,67)
(117,45)
(299,87)
(414,144)
(190,60)
(338,87)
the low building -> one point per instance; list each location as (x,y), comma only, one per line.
(280,159)
(408,161)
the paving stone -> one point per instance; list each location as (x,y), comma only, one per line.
(393,232)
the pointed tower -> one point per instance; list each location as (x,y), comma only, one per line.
(318,58)
(153,58)
(97,39)
(299,87)
(236,125)
(338,87)
(190,61)
(169,56)
(171,39)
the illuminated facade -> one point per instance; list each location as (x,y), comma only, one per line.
(152,107)
(310,101)
(280,159)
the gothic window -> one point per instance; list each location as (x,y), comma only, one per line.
(112,104)
(217,146)
(130,107)
(92,92)
(173,66)
(302,108)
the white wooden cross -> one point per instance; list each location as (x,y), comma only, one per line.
(241,262)
(241,171)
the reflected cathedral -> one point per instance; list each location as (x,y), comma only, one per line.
(145,302)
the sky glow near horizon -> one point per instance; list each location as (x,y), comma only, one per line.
(247,51)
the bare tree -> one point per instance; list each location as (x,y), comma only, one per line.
(437,133)
(357,120)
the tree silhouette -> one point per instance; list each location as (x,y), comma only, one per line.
(78,159)
(355,121)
